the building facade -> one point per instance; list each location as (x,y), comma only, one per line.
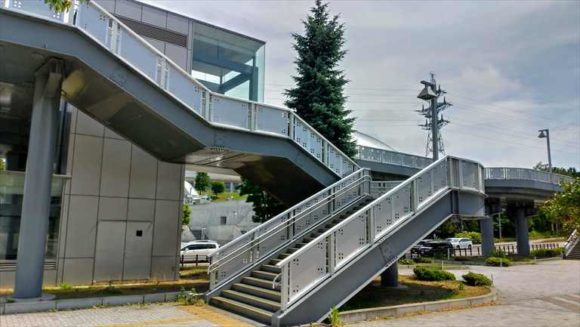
(115,209)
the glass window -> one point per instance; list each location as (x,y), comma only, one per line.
(228,63)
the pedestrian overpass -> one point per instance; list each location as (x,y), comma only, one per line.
(345,223)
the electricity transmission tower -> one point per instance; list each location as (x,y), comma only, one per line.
(433,121)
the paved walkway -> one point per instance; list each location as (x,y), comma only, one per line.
(546,294)
(128,316)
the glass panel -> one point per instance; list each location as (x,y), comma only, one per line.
(11,195)
(36,7)
(228,63)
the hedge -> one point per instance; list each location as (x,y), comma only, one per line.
(431,274)
(475,279)
(547,253)
(495,261)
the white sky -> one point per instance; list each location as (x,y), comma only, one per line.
(510,68)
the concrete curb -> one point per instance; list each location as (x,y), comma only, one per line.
(84,303)
(400,310)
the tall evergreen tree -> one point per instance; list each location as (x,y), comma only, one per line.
(318,96)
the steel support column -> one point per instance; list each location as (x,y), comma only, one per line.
(486,229)
(390,277)
(38,180)
(522,237)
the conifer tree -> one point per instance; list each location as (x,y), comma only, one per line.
(318,96)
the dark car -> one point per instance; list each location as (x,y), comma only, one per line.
(431,248)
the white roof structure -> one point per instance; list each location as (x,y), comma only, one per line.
(366,140)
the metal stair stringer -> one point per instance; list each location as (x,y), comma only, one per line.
(462,196)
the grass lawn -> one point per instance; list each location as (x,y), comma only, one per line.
(415,291)
(191,277)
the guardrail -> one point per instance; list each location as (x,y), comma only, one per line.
(392,157)
(244,251)
(507,173)
(220,110)
(332,250)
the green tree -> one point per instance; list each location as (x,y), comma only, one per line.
(265,206)
(2,164)
(564,207)
(202,182)
(218,187)
(186,215)
(571,171)
(61,5)
(318,96)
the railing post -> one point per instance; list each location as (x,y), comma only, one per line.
(330,254)
(414,203)
(291,125)
(252,117)
(284,287)
(371,225)
(460,174)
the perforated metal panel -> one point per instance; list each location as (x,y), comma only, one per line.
(350,238)
(230,112)
(272,120)
(307,269)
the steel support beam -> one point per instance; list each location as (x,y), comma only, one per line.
(486,229)
(390,277)
(522,237)
(38,180)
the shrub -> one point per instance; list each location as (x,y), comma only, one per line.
(474,279)
(334,317)
(547,253)
(474,236)
(407,262)
(66,287)
(431,274)
(498,261)
(190,298)
(423,260)
(498,254)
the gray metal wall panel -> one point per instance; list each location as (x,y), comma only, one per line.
(130,9)
(155,32)
(154,16)
(138,250)
(177,53)
(108,254)
(177,23)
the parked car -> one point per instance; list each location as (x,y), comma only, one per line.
(421,247)
(198,250)
(460,243)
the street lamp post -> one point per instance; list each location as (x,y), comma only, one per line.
(545,133)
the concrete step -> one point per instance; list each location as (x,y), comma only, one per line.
(252,300)
(267,293)
(264,275)
(243,309)
(259,282)
(271,268)
(275,261)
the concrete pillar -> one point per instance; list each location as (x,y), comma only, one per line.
(486,229)
(37,182)
(390,277)
(522,237)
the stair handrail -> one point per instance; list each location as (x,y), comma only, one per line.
(453,169)
(571,242)
(511,173)
(368,153)
(285,220)
(315,144)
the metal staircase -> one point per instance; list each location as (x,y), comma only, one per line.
(572,248)
(299,280)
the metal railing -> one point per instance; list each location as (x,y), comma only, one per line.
(571,243)
(379,188)
(244,251)
(392,157)
(218,109)
(507,173)
(324,256)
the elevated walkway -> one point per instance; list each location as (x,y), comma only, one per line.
(116,77)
